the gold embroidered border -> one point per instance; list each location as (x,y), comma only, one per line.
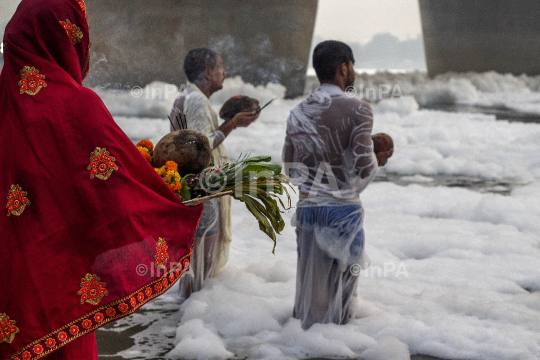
(102,316)
(86,67)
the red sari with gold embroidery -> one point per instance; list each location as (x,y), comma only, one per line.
(89,232)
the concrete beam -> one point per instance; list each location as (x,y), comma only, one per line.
(481,35)
(138,41)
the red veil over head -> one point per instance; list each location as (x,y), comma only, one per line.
(89,231)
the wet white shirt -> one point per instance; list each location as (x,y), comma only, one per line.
(328,147)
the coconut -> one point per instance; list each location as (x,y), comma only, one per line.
(382,142)
(236,104)
(190,149)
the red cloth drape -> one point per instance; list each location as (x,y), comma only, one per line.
(89,232)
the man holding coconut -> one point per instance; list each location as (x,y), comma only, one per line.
(205,73)
(329,151)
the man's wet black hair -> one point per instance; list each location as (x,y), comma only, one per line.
(196,61)
(328,56)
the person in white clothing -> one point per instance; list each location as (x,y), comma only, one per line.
(328,153)
(205,74)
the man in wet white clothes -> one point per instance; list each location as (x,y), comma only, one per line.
(205,73)
(329,153)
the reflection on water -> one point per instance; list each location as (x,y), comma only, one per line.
(503,187)
(500,112)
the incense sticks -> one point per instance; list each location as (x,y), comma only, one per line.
(265,105)
(181,121)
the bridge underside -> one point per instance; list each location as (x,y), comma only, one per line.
(481,35)
(136,42)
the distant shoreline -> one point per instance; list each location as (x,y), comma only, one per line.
(311,71)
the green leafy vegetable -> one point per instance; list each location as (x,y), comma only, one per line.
(252,180)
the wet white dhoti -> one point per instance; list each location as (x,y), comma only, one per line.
(330,255)
(329,152)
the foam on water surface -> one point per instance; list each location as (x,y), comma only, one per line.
(455,273)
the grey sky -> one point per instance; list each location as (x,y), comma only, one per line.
(359,20)
(7,8)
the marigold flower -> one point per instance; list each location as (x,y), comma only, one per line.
(144,152)
(148,157)
(146,143)
(172,177)
(171,166)
(175,187)
(161,171)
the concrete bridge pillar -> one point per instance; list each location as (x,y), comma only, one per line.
(481,35)
(139,41)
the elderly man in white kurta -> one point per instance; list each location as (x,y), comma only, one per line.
(329,151)
(205,73)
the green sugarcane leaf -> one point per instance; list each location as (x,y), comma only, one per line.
(277,190)
(264,225)
(267,218)
(261,158)
(272,211)
(255,171)
(273,168)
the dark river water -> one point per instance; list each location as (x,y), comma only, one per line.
(501,113)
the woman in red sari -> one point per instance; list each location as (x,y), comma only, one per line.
(89,232)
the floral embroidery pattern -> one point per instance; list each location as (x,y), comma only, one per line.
(74,330)
(101,164)
(97,318)
(92,290)
(31,81)
(62,336)
(50,342)
(75,34)
(162,256)
(83,7)
(17,200)
(38,349)
(8,330)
